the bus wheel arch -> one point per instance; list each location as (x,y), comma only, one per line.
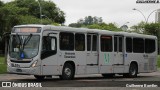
(68,71)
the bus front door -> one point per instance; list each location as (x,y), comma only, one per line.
(92,49)
(119,50)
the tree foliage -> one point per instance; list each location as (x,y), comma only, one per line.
(152,28)
(94,23)
(1,3)
(104,26)
(139,28)
(28,12)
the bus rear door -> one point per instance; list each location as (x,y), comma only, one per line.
(119,50)
(92,49)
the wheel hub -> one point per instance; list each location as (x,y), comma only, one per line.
(133,71)
(67,71)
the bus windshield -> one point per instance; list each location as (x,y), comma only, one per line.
(24,46)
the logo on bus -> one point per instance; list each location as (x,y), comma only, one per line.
(69,55)
(106,58)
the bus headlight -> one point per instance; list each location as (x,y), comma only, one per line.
(34,63)
(8,63)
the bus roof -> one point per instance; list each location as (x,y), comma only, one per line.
(86,30)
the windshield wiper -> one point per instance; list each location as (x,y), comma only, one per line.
(20,43)
(26,41)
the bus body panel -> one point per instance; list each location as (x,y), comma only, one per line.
(87,62)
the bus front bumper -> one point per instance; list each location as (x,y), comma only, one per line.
(25,71)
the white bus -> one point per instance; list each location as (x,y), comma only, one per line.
(46,50)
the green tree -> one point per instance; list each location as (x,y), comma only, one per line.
(104,26)
(94,23)
(49,9)
(9,17)
(88,20)
(27,12)
(1,3)
(139,28)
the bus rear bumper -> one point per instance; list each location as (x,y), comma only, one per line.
(24,71)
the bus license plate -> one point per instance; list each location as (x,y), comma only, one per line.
(19,70)
(15,65)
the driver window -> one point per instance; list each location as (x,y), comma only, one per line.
(53,45)
(49,46)
(49,43)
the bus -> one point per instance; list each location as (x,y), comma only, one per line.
(46,50)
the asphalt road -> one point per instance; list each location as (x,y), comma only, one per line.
(95,80)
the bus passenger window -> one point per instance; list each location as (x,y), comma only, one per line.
(149,46)
(106,43)
(66,41)
(138,45)
(128,44)
(79,42)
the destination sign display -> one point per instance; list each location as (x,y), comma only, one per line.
(26,30)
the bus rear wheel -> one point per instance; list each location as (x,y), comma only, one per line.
(133,71)
(39,77)
(67,72)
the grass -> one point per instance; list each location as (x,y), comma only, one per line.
(3,67)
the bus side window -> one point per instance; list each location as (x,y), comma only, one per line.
(138,45)
(79,42)
(129,44)
(106,43)
(149,46)
(66,41)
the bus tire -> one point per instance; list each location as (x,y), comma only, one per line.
(108,75)
(133,71)
(39,77)
(67,72)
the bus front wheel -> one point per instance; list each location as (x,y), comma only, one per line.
(67,72)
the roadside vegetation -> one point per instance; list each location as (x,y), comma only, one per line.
(3,66)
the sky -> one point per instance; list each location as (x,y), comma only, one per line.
(112,11)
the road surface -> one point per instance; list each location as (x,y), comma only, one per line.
(95,80)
